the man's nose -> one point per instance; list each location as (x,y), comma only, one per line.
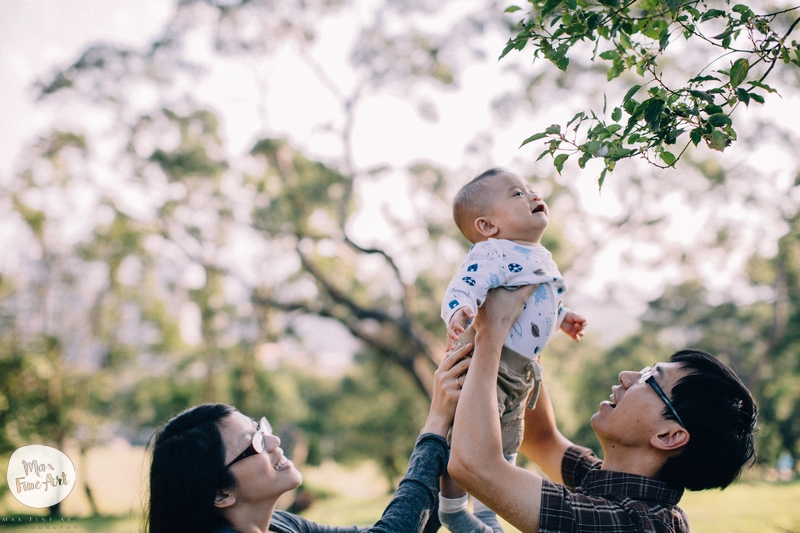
(628,378)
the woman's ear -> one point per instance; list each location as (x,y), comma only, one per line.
(223,500)
(485,227)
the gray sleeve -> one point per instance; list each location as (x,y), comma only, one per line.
(414,507)
(417,497)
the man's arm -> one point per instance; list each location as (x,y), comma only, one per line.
(543,443)
(476,456)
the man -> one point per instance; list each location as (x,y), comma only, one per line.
(687,423)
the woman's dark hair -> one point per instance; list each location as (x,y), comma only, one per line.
(720,415)
(187,470)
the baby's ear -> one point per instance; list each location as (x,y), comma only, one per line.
(485,227)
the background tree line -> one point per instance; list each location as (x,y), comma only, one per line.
(152,267)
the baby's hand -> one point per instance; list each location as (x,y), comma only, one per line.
(573,325)
(457,324)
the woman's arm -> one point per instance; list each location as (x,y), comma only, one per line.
(477,462)
(417,496)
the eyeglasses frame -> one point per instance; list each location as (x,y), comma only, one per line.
(646,376)
(264,428)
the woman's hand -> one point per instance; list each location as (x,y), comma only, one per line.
(447,382)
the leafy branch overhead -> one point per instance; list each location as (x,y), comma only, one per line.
(654,117)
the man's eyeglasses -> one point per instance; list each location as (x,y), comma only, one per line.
(646,376)
(257,445)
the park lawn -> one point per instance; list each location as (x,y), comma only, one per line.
(745,507)
(358,495)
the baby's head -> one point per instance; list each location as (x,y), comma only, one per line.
(500,204)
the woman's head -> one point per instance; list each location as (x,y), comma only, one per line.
(191,486)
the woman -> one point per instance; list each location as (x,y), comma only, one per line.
(215,470)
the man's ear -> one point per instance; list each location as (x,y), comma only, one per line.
(223,500)
(485,227)
(671,439)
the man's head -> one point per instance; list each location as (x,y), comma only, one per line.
(500,204)
(693,415)
(720,415)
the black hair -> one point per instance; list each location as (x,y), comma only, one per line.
(720,416)
(468,202)
(187,470)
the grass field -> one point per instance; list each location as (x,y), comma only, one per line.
(359,495)
(754,507)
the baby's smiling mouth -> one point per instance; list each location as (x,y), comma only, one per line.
(538,209)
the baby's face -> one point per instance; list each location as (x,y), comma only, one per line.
(516,209)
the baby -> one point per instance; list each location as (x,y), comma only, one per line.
(505,220)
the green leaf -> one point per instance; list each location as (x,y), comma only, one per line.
(509,46)
(743,10)
(601,179)
(534,137)
(743,96)
(663,40)
(702,95)
(757,97)
(700,79)
(652,113)
(668,158)
(554,129)
(712,13)
(718,141)
(559,161)
(609,55)
(631,92)
(696,135)
(616,114)
(719,120)
(762,86)
(739,71)
(674,5)
(593,146)
(548,7)
(511,9)
(579,115)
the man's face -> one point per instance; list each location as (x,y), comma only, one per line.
(634,412)
(516,209)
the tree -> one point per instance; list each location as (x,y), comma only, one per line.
(634,36)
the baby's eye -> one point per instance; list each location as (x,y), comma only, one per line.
(518,193)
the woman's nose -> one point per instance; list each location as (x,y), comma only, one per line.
(271,442)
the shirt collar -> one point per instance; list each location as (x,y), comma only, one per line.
(607,482)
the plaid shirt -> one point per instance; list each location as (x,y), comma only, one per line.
(607,501)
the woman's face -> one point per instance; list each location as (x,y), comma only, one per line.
(260,477)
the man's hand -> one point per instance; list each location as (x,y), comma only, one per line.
(501,309)
(457,325)
(573,325)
